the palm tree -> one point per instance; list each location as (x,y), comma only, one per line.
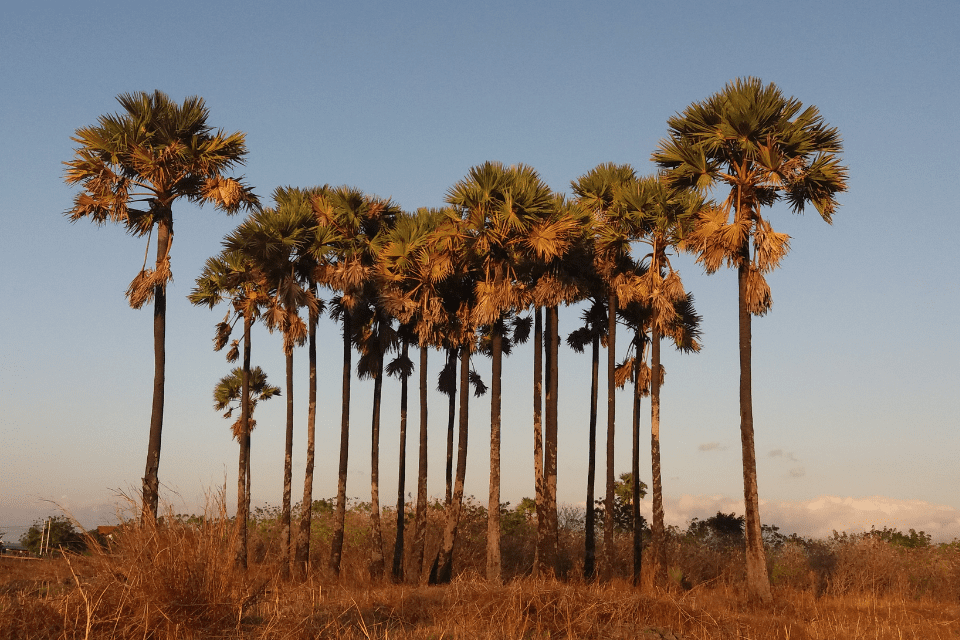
(401,367)
(595,191)
(507,222)
(348,222)
(592,332)
(666,215)
(132,166)
(232,275)
(414,260)
(459,302)
(763,147)
(275,239)
(553,271)
(375,338)
(229,390)
(292,198)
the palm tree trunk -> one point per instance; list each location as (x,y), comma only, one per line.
(590,534)
(419,540)
(608,504)
(444,562)
(637,533)
(302,557)
(451,422)
(243,501)
(376,532)
(336,546)
(758,582)
(550,441)
(493,506)
(401,481)
(659,568)
(286,555)
(151,479)
(539,564)
(246,463)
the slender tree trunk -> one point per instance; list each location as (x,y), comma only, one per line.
(419,541)
(539,564)
(550,441)
(637,533)
(302,558)
(493,506)
(336,547)
(249,483)
(590,534)
(151,478)
(444,562)
(286,552)
(376,559)
(758,582)
(451,423)
(608,505)
(243,500)
(659,568)
(402,480)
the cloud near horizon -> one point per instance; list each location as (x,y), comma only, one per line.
(821,516)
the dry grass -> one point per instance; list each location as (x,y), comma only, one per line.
(175,581)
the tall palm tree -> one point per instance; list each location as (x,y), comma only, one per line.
(595,191)
(553,274)
(232,276)
(763,147)
(414,260)
(458,325)
(275,238)
(348,222)
(592,332)
(132,166)
(401,367)
(666,216)
(507,218)
(292,198)
(376,337)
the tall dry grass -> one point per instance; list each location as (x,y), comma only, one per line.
(175,580)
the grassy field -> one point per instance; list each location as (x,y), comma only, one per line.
(175,580)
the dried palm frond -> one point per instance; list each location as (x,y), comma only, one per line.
(758,297)
(623,373)
(225,192)
(222,335)
(770,247)
(143,287)
(234,353)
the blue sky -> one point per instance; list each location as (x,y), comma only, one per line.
(855,377)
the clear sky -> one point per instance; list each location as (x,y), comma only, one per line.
(855,369)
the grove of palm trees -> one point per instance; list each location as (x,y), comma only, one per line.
(482,277)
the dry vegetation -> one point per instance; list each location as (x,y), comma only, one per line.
(175,580)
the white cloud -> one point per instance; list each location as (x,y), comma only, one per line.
(820,516)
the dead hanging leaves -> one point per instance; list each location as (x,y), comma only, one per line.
(144,286)
(758,297)
(625,370)
(770,247)
(226,193)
